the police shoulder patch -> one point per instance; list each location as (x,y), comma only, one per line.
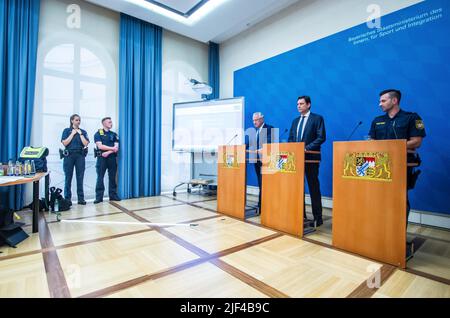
(419,124)
(101,132)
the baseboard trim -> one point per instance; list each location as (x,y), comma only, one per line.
(429,219)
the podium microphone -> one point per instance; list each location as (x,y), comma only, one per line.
(234,137)
(285,131)
(354,130)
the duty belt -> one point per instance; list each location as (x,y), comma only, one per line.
(74,151)
(68,152)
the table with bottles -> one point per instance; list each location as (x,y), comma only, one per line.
(23,173)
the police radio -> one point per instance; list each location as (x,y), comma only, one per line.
(97,153)
(63,153)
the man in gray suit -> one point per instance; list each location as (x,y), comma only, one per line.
(263,136)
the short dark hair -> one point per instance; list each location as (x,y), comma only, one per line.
(306,98)
(393,93)
(106,118)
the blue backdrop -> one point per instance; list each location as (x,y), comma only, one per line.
(344,73)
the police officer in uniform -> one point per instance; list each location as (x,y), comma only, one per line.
(75,141)
(107,143)
(399,124)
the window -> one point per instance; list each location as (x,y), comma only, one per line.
(75,77)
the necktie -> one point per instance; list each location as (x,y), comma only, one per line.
(300,129)
(257,138)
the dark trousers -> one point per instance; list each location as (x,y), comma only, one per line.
(312,177)
(77,161)
(103,164)
(408,208)
(258,166)
(409,176)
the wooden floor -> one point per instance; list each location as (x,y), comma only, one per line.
(432,248)
(205,255)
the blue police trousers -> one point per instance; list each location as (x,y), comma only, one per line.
(77,161)
(109,163)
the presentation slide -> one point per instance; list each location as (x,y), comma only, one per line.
(203,126)
(345,72)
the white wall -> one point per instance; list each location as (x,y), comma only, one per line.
(182,59)
(297,25)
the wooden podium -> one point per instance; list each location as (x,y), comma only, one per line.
(231,181)
(283,173)
(369,199)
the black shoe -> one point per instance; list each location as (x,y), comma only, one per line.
(315,223)
(97,201)
(409,250)
(82,202)
(70,203)
(115,199)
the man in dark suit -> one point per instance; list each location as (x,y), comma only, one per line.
(263,136)
(310,129)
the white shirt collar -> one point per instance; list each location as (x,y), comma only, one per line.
(307,114)
(262,126)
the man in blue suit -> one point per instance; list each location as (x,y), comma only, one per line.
(310,129)
(263,136)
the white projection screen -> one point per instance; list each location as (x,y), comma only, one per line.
(204,125)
